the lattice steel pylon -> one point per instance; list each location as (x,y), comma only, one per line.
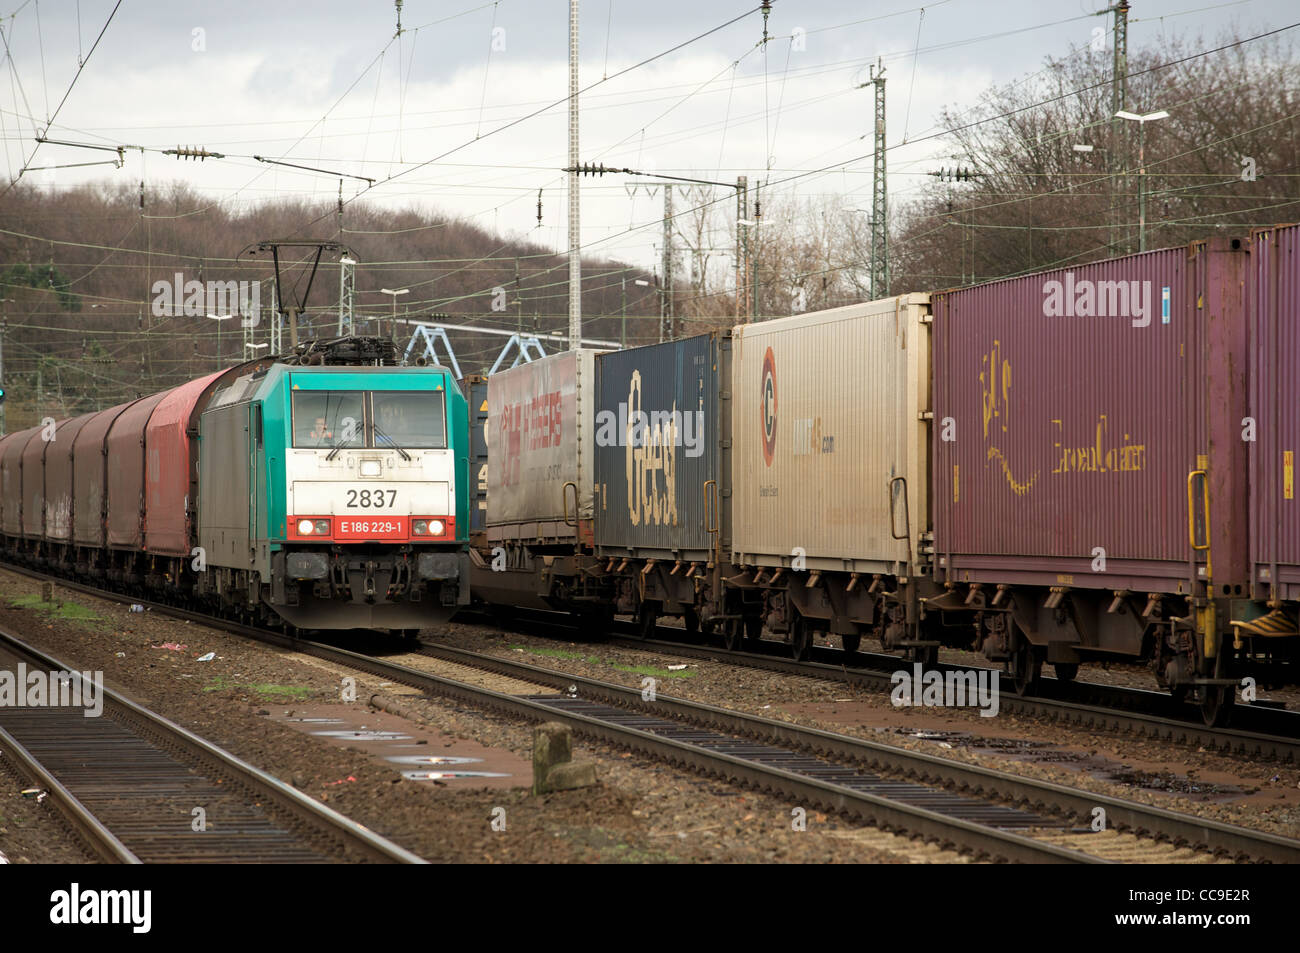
(666,292)
(879,194)
(347,297)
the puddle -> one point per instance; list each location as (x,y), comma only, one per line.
(1167,782)
(1015,749)
(449,775)
(418,751)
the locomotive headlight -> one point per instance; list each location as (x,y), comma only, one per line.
(436,528)
(323,527)
(371,468)
(420,527)
(305,527)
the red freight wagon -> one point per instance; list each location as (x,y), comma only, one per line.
(125,450)
(1089,469)
(11,476)
(171,472)
(90,478)
(13,505)
(33,464)
(58,479)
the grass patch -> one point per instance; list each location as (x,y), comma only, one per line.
(596,660)
(268,689)
(64,611)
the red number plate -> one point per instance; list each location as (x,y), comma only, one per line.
(371,527)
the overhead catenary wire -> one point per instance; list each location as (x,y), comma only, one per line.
(813,171)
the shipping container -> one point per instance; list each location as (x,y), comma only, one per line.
(90,478)
(171,477)
(540,432)
(125,451)
(475,389)
(1078,410)
(1274,293)
(11,477)
(58,479)
(33,464)
(656,447)
(830,438)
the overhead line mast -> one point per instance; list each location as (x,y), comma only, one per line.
(879,194)
(575,238)
(1118,132)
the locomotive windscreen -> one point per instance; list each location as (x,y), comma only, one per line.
(411,420)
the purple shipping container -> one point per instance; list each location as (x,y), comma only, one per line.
(1072,408)
(1275,407)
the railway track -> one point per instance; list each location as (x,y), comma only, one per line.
(1053,800)
(129,781)
(1262,733)
(986,813)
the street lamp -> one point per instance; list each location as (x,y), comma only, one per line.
(1142,171)
(640,283)
(219,318)
(392,330)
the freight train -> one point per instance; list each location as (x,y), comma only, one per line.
(1084,464)
(323,490)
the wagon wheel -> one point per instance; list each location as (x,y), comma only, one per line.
(1026,666)
(647,617)
(926,655)
(850,642)
(732,634)
(801,639)
(1216,704)
(1065,671)
(691,622)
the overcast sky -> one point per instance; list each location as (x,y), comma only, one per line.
(318,84)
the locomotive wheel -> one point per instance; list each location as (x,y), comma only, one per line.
(850,643)
(1216,704)
(1065,671)
(801,639)
(1026,666)
(732,634)
(647,617)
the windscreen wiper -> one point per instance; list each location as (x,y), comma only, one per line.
(380,433)
(337,447)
